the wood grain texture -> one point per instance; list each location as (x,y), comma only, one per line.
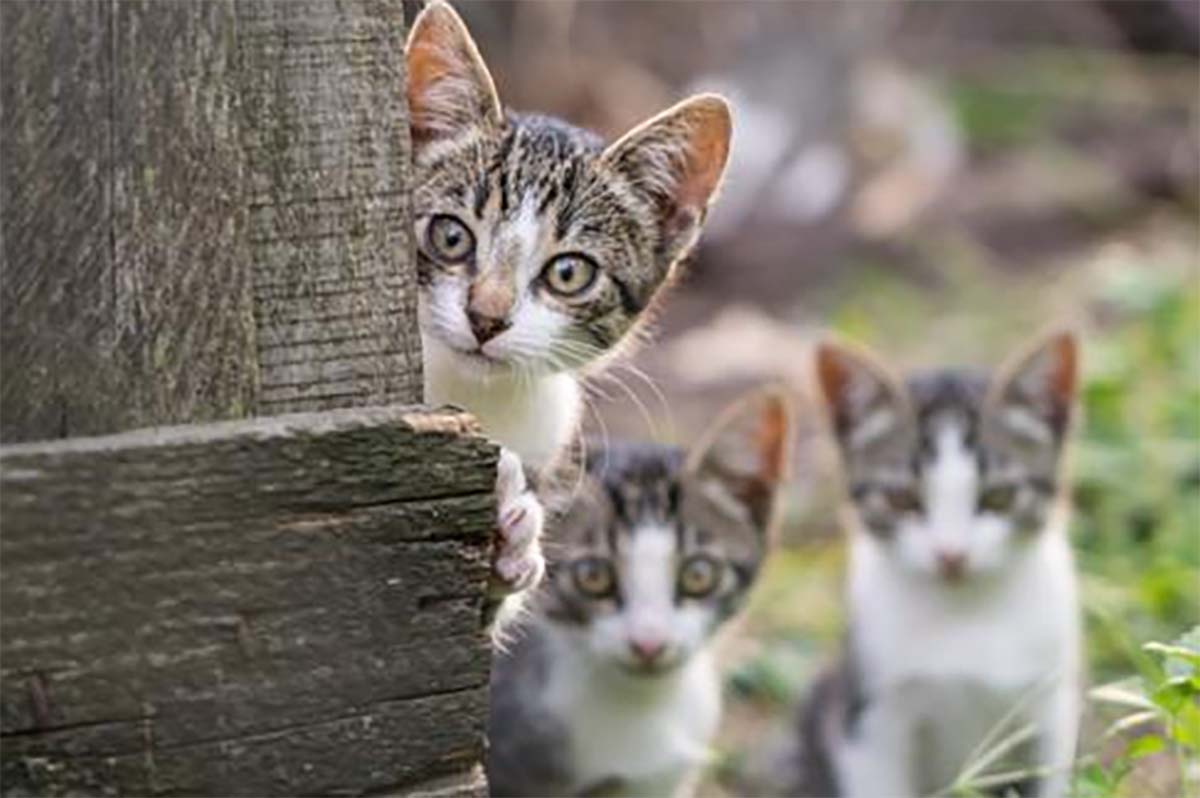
(283,606)
(126,278)
(56,270)
(326,137)
(183,309)
(204,212)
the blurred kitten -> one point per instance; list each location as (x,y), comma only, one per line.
(539,251)
(613,688)
(964,625)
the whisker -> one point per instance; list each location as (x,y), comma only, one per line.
(653,386)
(643,411)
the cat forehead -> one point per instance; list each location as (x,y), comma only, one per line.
(531,155)
(947,392)
(948,405)
(635,483)
(948,408)
(539,136)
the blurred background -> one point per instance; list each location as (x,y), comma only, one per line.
(940,181)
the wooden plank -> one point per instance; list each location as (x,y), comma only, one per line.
(282,606)
(327,143)
(125,267)
(56,273)
(183,306)
(196,198)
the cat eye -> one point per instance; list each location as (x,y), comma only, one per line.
(448,239)
(998,499)
(903,500)
(594,577)
(698,576)
(570,275)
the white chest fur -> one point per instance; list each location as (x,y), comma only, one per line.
(948,669)
(534,416)
(649,733)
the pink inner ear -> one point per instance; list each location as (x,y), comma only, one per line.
(772,441)
(427,65)
(832,374)
(447,85)
(705,165)
(1063,376)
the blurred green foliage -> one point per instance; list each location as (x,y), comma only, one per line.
(993,117)
(1161,716)
(1137,468)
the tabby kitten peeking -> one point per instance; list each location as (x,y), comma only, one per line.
(964,625)
(539,251)
(612,687)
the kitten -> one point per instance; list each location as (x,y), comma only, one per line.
(964,625)
(612,688)
(539,251)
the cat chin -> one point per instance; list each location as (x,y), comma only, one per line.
(650,673)
(482,366)
(476,364)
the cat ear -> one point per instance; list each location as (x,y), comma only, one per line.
(747,451)
(1032,398)
(449,87)
(866,403)
(676,159)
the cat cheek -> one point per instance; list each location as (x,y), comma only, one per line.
(442,312)
(695,624)
(540,331)
(607,638)
(991,543)
(914,547)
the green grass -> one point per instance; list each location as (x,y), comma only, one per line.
(1135,467)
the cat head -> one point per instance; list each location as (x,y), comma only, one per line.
(952,471)
(659,545)
(540,248)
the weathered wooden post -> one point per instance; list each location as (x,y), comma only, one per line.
(248,562)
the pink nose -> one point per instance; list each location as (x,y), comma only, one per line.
(952,564)
(647,650)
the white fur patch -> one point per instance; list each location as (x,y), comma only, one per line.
(533,416)
(649,732)
(649,586)
(952,484)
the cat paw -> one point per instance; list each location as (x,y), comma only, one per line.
(517,563)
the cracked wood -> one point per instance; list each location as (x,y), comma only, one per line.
(173,626)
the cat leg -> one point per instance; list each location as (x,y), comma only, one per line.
(876,758)
(517,563)
(1058,729)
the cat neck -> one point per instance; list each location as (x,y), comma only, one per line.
(646,730)
(1007,629)
(533,415)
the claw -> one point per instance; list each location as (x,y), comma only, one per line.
(517,563)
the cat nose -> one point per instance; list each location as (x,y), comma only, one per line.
(485,327)
(952,564)
(646,649)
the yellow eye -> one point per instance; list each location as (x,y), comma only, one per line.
(449,240)
(699,575)
(998,499)
(903,500)
(594,577)
(570,275)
